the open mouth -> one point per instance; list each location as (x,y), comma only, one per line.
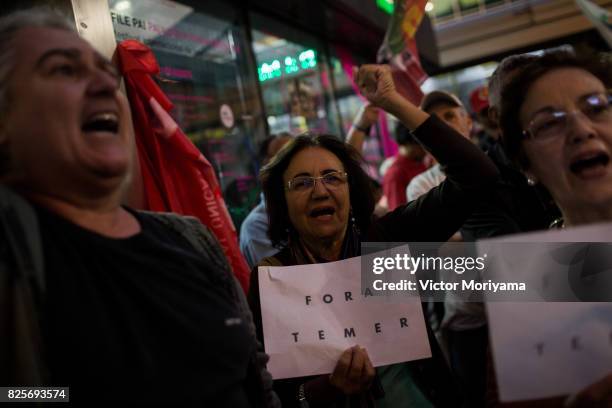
(102,122)
(322,212)
(590,165)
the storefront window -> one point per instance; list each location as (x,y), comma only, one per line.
(206,73)
(294,79)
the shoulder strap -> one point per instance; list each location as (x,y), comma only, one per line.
(19,226)
(21,289)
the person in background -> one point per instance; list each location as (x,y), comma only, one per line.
(366,117)
(254,241)
(408,164)
(122,306)
(384,166)
(486,130)
(514,206)
(448,108)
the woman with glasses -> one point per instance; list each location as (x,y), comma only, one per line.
(556,123)
(319,201)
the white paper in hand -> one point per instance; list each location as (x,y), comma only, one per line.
(312,313)
(544,350)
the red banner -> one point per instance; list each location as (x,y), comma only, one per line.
(176,176)
(399,48)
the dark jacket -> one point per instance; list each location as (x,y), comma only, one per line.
(512,207)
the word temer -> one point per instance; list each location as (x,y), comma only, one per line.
(350,331)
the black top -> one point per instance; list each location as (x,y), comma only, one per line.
(437,215)
(142,319)
(433,217)
(512,207)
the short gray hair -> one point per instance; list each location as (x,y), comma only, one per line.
(10,24)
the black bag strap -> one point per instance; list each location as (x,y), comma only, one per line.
(20,230)
(22,286)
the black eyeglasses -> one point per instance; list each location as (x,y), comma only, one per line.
(551,124)
(331,181)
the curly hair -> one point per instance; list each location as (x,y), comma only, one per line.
(271,177)
(515,91)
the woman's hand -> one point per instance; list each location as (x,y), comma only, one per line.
(354,371)
(376,84)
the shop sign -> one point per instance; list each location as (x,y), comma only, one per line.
(288,65)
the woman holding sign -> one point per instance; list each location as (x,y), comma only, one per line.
(319,200)
(561,137)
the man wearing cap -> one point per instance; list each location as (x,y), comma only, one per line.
(449,108)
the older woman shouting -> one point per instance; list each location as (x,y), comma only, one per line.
(561,138)
(319,201)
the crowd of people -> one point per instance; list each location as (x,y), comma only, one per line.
(130,306)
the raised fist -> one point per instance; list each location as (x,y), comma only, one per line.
(376,84)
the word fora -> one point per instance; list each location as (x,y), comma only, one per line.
(350,331)
(328,298)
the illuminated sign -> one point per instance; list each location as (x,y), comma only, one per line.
(288,65)
(385,5)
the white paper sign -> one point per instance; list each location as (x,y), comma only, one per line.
(312,313)
(543,350)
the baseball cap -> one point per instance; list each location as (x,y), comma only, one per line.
(439,97)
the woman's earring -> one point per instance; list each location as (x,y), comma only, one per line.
(351,215)
(531,180)
(353,221)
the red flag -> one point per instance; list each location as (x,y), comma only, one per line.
(399,48)
(176,176)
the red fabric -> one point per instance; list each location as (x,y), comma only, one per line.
(397,178)
(176,176)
